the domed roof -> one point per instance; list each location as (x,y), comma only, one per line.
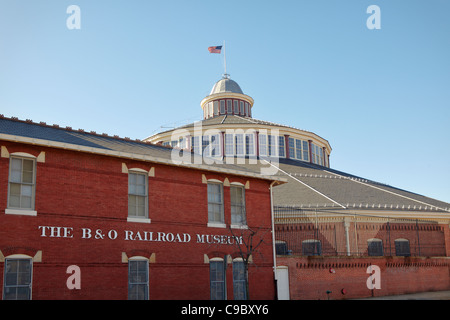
(226,85)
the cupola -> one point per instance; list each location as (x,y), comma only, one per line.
(226,98)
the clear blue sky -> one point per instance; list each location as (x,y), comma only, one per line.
(380,97)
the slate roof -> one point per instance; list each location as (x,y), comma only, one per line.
(28,129)
(226,85)
(314,186)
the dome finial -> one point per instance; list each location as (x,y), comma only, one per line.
(225,76)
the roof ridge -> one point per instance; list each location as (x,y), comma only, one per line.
(307,185)
(391,192)
(71,130)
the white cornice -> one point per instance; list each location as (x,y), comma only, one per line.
(227,95)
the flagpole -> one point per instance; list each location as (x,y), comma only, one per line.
(225,59)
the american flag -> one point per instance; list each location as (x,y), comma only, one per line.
(215,49)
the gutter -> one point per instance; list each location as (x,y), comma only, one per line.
(273,240)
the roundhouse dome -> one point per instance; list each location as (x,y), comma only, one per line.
(226,85)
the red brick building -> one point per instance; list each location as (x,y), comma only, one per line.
(88,216)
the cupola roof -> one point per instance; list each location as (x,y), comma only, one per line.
(226,85)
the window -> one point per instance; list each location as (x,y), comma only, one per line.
(262,145)
(17,281)
(229,107)
(239,143)
(311,248)
(272,145)
(291,142)
(242,108)
(249,146)
(215,203)
(239,280)
(216,107)
(229,145)
(375,247)
(215,145)
(298,147)
(305,151)
(196,144)
(217,278)
(137,195)
(238,216)
(281,152)
(210,110)
(281,247)
(236,106)
(222,106)
(317,154)
(138,279)
(402,248)
(295,149)
(22,178)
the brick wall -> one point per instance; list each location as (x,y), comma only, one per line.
(346,277)
(83,191)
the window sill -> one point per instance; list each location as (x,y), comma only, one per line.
(21,212)
(216,225)
(239,226)
(139,220)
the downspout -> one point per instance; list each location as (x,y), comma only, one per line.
(273,241)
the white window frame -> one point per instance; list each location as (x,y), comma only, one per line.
(212,221)
(249,144)
(134,217)
(239,207)
(30,211)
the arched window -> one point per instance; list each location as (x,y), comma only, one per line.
(217,278)
(138,278)
(239,280)
(18,277)
(311,248)
(402,248)
(281,247)
(375,247)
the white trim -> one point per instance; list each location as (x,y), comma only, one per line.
(19,256)
(139,220)
(216,225)
(22,154)
(137,170)
(138,258)
(216,259)
(215,181)
(239,226)
(21,212)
